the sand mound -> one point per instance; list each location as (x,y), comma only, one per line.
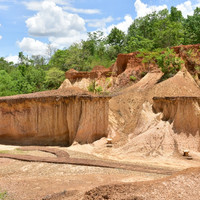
(81,83)
(125,108)
(65,84)
(182,186)
(182,84)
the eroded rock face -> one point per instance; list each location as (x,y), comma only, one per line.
(190,54)
(184,112)
(157,134)
(97,72)
(53,120)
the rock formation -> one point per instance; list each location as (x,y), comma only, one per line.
(57,117)
(126,107)
(130,65)
(173,128)
(161,133)
(83,79)
(184,112)
(97,72)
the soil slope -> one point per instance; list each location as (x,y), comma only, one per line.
(125,108)
(182,186)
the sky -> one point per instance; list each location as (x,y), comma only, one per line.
(35,26)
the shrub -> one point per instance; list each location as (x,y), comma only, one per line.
(94,88)
(133,78)
(98,89)
(169,63)
(166,59)
(91,87)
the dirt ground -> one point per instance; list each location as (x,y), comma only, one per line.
(26,180)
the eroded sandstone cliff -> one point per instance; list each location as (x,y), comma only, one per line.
(184,112)
(53,118)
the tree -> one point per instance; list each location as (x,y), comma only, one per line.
(6,84)
(176,15)
(168,34)
(97,37)
(143,27)
(138,43)
(76,58)
(192,25)
(58,60)
(38,61)
(116,39)
(7,66)
(54,78)
(28,79)
(23,59)
(156,30)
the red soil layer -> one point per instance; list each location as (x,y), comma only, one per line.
(97,72)
(191,56)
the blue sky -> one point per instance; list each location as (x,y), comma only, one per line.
(32,26)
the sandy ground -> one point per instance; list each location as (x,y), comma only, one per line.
(35,180)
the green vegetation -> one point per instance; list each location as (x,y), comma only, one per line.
(166,59)
(54,78)
(133,78)
(3,195)
(93,87)
(152,36)
(169,63)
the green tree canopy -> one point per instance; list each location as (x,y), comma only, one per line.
(193,27)
(116,38)
(7,86)
(54,78)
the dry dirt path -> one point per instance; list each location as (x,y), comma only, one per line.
(64,158)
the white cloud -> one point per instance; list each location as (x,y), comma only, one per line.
(60,27)
(128,20)
(143,9)
(33,47)
(83,11)
(13,59)
(36,5)
(123,26)
(187,8)
(52,20)
(99,23)
(62,42)
(62,2)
